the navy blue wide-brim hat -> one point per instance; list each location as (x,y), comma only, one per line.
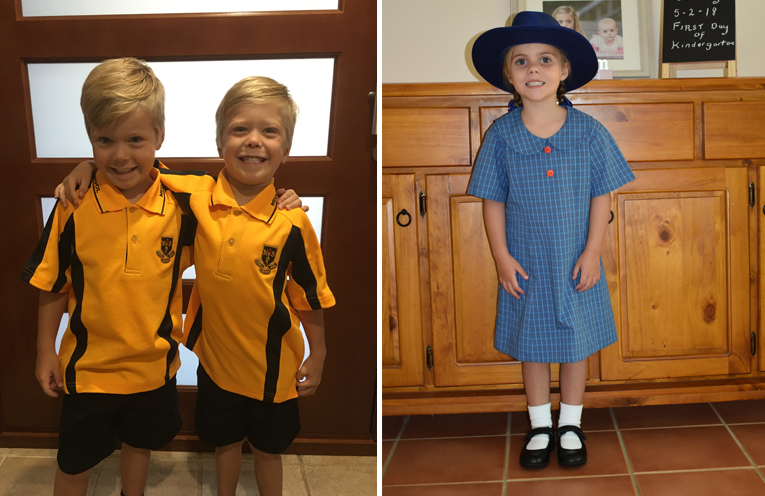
(534,27)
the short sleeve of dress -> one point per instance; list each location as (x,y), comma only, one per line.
(489,177)
(610,170)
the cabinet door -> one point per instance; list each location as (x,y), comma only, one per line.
(677,264)
(463,290)
(402,353)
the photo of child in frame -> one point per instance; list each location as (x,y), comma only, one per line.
(600,21)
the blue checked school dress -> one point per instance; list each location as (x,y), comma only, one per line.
(546,185)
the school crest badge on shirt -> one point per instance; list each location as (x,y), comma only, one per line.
(166,252)
(266,262)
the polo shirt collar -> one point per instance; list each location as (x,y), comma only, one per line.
(110,199)
(262,207)
(517,137)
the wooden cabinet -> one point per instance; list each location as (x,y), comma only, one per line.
(681,255)
(402,351)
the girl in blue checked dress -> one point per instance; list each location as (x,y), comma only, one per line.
(545,172)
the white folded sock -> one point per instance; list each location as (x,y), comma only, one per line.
(540,416)
(570,415)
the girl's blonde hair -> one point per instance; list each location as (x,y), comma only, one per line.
(561,92)
(119,86)
(257,90)
(565,9)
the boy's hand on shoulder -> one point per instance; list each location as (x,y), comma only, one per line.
(311,372)
(48,372)
(289,200)
(75,185)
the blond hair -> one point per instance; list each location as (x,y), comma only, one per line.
(561,91)
(565,9)
(119,86)
(257,90)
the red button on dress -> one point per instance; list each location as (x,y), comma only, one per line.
(550,173)
(548,149)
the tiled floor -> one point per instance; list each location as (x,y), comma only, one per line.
(713,449)
(27,472)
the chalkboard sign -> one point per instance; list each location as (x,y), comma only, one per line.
(699,30)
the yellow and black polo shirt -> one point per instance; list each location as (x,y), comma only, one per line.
(255,265)
(121,264)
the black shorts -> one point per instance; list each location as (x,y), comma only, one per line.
(224,418)
(92,422)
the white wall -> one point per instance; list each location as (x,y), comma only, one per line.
(429,40)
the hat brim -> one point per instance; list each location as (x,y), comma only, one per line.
(490,48)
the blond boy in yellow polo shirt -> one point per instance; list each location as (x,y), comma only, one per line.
(260,273)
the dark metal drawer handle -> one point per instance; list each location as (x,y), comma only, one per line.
(408,220)
(612,217)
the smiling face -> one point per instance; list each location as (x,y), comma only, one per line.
(124,151)
(565,20)
(253,146)
(535,70)
(607,30)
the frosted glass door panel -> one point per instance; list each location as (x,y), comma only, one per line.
(193,92)
(36,8)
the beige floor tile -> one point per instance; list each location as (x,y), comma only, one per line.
(293,480)
(30,476)
(4,451)
(175,456)
(333,480)
(166,478)
(351,461)
(32,453)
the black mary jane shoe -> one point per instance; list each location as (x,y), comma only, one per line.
(541,457)
(571,457)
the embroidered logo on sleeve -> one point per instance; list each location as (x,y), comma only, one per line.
(166,253)
(266,262)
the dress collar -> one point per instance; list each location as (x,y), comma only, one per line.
(262,207)
(517,137)
(110,199)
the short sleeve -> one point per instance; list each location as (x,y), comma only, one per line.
(307,286)
(48,267)
(610,171)
(489,177)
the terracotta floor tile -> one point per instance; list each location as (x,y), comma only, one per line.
(386,447)
(682,448)
(586,486)
(666,416)
(391,427)
(742,411)
(438,461)
(713,483)
(752,437)
(468,424)
(604,457)
(486,489)
(593,419)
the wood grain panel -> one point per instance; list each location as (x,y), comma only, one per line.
(391,345)
(644,132)
(675,263)
(415,137)
(402,348)
(648,132)
(698,222)
(475,283)
(734,130)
